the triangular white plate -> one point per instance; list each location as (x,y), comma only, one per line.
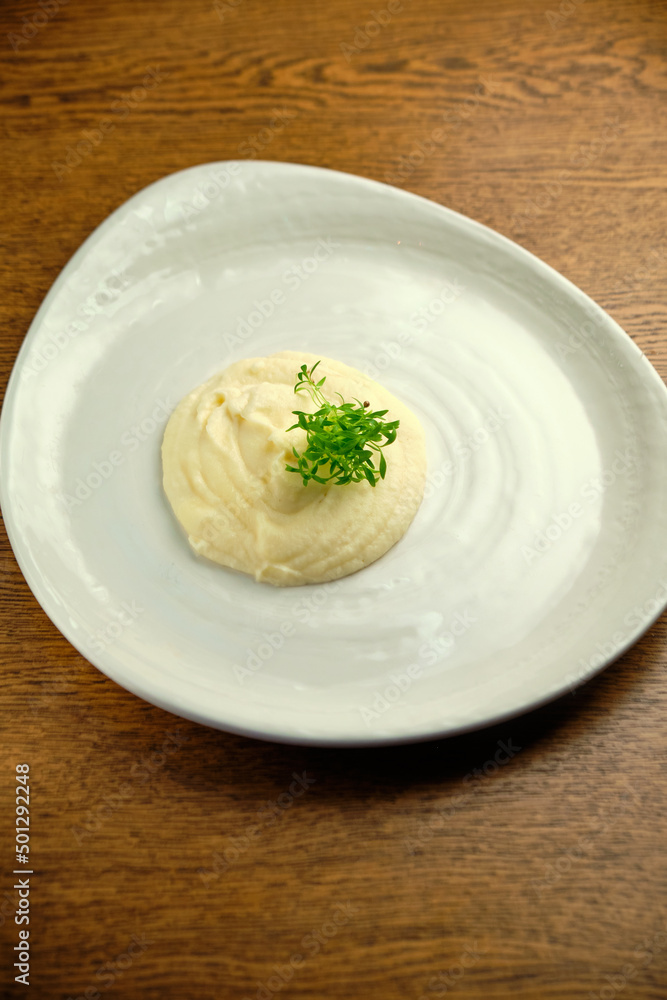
(539,553)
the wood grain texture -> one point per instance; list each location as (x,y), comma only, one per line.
(542,878)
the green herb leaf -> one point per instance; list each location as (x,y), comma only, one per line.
(342,440)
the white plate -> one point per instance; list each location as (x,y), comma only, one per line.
(537,557)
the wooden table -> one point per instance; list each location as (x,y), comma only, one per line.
(393,873)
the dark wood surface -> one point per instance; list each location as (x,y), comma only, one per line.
(544,878)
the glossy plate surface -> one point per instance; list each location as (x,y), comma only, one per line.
(539,553)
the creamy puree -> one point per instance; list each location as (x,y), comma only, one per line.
(224,454)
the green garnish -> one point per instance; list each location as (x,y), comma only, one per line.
(342,439)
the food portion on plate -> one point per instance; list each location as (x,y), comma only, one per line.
(290,502)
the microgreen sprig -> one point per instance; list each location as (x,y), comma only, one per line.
(342,439)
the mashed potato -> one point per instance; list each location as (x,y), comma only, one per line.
(224,454)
